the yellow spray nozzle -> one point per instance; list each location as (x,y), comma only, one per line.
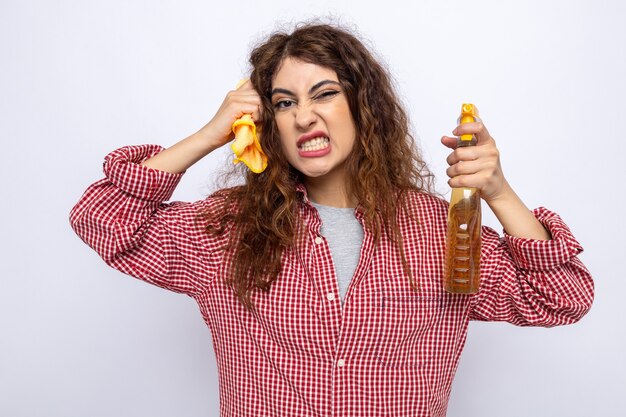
(469,113)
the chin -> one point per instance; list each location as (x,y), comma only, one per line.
(314,173)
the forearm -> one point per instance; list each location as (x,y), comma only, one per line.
(516,219)
(180,156)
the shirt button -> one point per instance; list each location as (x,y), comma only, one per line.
(318,240)
(340,363)
(330,296)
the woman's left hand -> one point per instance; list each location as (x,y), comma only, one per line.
(479,166)
(475,166)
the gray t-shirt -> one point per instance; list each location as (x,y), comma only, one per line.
(344,235)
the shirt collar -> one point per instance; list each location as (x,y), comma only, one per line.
(301,189)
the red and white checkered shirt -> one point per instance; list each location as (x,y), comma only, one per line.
(388,351)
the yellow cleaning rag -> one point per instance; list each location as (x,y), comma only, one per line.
(246,145)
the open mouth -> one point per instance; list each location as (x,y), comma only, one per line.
(314,144)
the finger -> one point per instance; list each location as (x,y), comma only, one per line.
(449,141)
(256,114)
(246,103)
(247,108)
(476,179)
(463,154)
(483,179)
(465,168)
(244,90)
(461,181)
(249,99)
(244,94)
(470,128)
(477,129)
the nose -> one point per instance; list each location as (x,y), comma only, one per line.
(305,116)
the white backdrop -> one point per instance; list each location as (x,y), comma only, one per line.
(81,78)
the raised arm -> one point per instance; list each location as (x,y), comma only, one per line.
(533,275)
(126,220)
(213,135)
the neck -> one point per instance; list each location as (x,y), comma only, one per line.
(329,191)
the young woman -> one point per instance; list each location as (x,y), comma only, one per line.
(321,278)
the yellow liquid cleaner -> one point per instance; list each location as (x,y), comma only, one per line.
(462,263)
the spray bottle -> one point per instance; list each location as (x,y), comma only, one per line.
(462,268)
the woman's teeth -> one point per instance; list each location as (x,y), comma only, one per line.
(315,144)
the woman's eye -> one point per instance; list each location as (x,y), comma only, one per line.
(283,104)
(327,94)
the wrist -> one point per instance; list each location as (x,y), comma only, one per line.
(205,141)
(213,137)
(505,196)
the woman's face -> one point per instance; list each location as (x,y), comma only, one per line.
(316,128)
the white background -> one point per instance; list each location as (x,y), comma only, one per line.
(81,78)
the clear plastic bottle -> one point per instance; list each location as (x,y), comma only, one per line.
(462,267)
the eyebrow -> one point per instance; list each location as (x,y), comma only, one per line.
(311,90)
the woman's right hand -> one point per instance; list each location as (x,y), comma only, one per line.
(213,135)
(244,100)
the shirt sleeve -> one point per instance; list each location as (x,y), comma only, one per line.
(123,217)
(531,282)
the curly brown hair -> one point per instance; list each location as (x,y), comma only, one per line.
(262,215)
